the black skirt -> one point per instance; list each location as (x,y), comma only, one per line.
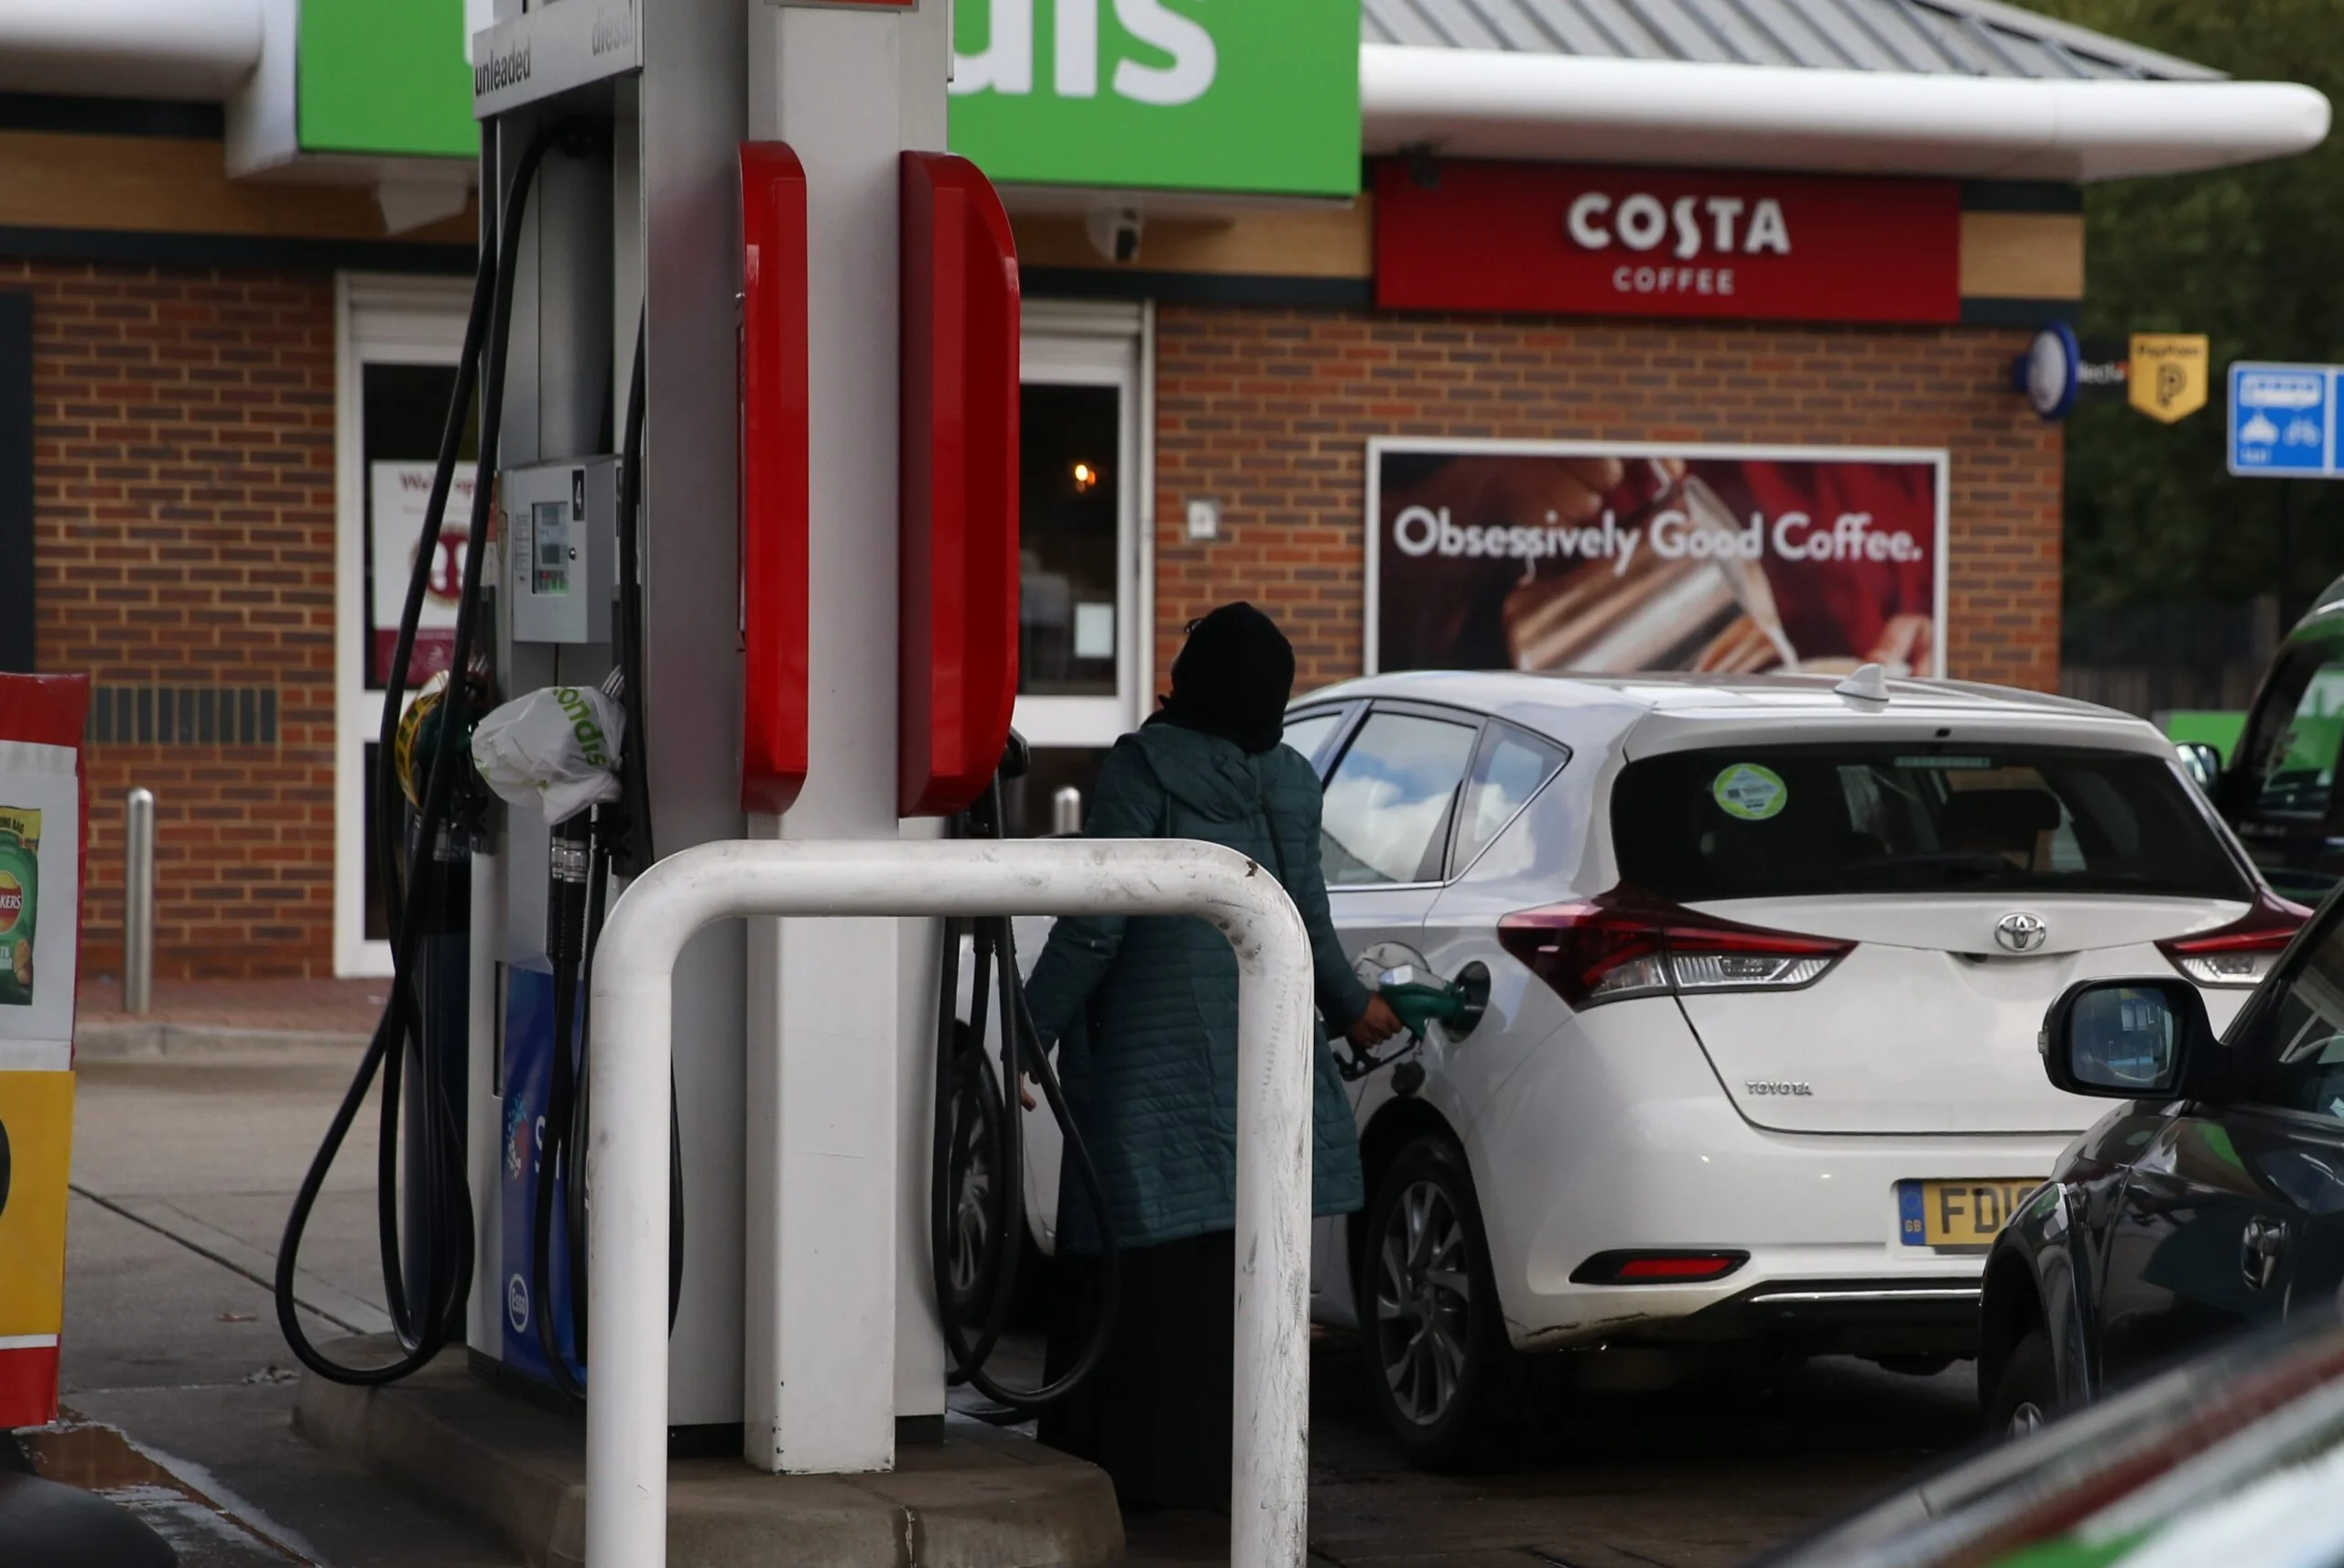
(1158,1413)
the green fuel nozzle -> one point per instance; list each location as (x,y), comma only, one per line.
(1420,1000)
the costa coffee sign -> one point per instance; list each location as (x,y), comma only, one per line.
(1640,242)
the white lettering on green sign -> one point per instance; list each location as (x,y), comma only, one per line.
(1005,64)
(1251,95)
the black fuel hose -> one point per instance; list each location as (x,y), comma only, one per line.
(575,865)
(618,838)
(634,854)
(965,1079)
(427,1327)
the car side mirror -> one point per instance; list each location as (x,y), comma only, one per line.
(2201,763)
(2139,1039)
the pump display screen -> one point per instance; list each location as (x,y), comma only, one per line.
(550,562)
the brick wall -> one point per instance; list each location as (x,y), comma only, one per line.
(1270,411)
(184,480)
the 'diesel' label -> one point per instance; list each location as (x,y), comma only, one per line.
(19,902)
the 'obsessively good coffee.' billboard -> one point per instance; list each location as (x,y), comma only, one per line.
(1610,557)
(1649,242)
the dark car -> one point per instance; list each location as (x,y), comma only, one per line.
(2234,1458)
(2279,790)
(2210,1200)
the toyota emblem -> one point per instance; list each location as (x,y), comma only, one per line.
(2020,931)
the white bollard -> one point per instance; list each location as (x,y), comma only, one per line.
(633,983)
(138,903)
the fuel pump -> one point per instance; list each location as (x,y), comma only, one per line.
(711,652)
(568,579)
(427,1278)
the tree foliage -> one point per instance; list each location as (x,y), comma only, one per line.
(2254,258)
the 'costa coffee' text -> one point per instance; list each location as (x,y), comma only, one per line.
(1571,240)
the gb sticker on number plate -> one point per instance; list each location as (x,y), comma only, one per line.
(1958,1214)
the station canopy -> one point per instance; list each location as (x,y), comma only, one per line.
(1964,88)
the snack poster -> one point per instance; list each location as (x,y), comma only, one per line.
(1614,557)
(41,719)
(396,494)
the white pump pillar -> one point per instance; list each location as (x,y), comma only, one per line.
(831,1042)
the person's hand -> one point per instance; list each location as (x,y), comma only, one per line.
(1374,1026)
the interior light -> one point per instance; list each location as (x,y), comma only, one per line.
(1086,479)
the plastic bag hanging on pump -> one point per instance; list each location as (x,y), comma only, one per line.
(555,751)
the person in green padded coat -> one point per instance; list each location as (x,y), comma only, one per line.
(1145,1013)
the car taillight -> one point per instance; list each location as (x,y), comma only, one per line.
(1624,943)
(2239,954)
(1671,1267)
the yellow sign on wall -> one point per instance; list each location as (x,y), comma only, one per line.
(2169,379)
(36,1152)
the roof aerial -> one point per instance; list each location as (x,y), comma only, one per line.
(1868,684)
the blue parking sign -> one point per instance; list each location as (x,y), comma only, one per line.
(2282,419)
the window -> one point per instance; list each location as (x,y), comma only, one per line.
(1085,652)
(1069,539)
(1513,766)
(397,340)
(1309,734)
(1388,805)
(2290,751)
(1880,817)
(2294,1045)
(401,410)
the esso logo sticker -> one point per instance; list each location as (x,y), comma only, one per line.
(516,1303)
(12,902)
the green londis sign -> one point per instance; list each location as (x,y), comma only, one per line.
(1240,95)
(386,77)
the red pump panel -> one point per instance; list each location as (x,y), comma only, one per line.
(958,636)
(775,462)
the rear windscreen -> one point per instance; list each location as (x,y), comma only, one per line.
(1785,821)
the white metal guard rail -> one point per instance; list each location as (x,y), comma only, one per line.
(626,1417)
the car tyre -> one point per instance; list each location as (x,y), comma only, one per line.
(978,1127)
(1439,1368)
(2027,1393)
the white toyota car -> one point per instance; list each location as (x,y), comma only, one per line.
(1765,960)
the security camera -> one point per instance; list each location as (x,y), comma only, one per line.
(1115,232)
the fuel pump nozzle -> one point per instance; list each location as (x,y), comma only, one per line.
(1422,998)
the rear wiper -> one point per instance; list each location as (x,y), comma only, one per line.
(1971,865)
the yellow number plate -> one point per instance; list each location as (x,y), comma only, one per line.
(1958,1214)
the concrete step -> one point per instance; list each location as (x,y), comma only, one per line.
(982,1500)
(214,1044)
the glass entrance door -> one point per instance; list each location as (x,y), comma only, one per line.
(399,340)
(1083,631)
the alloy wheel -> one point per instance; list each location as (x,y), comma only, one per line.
(971,1227)
(1423,1302)
(975,1197)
